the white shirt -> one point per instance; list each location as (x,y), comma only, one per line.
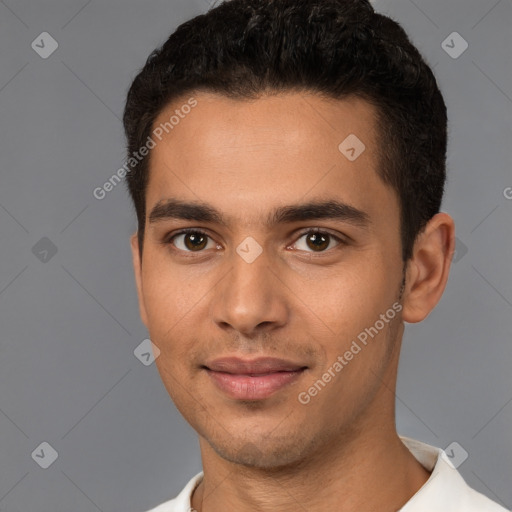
(444,491)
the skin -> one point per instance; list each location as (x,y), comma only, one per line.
(340,451)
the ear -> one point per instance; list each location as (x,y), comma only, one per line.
(137,268)
(428,268)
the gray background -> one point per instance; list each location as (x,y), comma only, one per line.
(69,320)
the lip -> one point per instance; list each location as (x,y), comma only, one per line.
(260,365)
(255,379)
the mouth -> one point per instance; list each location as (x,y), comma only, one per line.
(255,379)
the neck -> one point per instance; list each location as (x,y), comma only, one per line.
(373,472)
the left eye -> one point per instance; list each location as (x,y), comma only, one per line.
(317,241)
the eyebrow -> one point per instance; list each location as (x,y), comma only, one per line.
(314,210)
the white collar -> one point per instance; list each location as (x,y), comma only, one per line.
(444,491)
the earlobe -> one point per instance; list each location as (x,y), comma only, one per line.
(137,269)
(428,268)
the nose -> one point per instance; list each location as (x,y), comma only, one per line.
(251,299)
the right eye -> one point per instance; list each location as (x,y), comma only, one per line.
(190,240)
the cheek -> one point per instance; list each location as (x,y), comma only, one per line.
(169,305)
(176,304)
(165,301)
(168,294)
(352,298)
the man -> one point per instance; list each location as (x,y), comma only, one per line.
(288,199)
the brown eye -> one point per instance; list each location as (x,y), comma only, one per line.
(195,241)
(190,241)
(317,241)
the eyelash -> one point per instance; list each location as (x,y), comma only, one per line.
(169,240)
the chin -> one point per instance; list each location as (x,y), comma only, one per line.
(264,452)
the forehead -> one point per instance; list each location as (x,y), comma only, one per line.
(293,122)
(287,147)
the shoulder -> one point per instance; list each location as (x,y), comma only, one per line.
(473,501)
(180,503)
(445,490)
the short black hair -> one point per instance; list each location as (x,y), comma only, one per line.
(243,49)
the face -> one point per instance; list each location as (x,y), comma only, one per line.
(291,264)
